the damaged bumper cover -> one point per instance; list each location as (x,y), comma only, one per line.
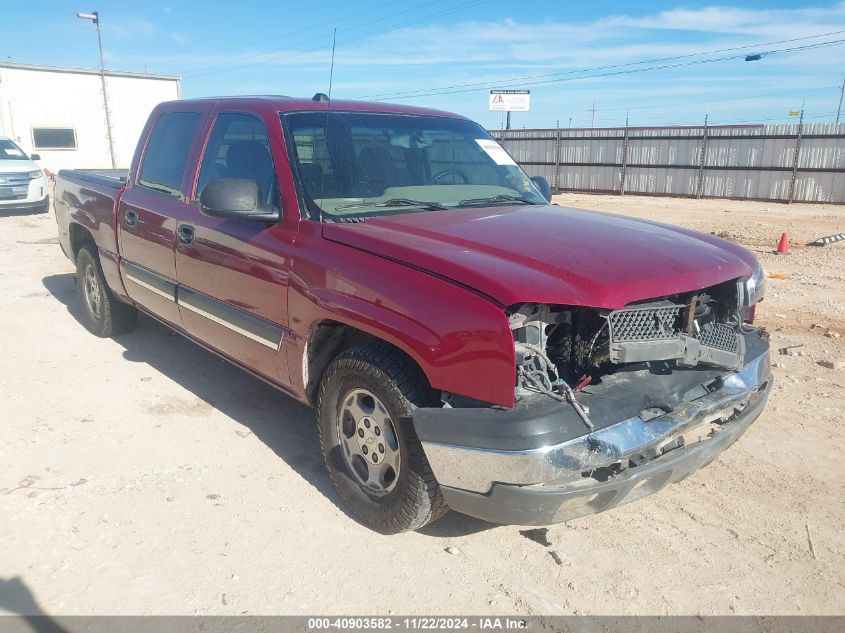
(534,465)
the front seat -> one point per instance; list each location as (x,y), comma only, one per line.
(377,170)
(251,160)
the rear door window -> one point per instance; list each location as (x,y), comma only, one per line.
(167,152)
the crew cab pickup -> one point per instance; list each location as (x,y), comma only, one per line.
(466,344)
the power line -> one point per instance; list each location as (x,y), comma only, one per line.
(225,66)
(460,7)
(677,104)
(278,36)
(608,67)
(649,61)
(717,122)
(663,106)
(822,115)
(651,122)
(498,84)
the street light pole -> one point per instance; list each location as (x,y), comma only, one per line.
(94,16)
(839,109)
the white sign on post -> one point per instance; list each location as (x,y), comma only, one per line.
(510,100)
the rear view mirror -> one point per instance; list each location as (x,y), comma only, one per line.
(236,198)
(34,157)
(543,186)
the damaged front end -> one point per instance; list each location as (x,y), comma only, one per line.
(577,346)
(610,405)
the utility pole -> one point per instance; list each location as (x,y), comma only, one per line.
(556,179)
(593,119)
(702,159)
(841,94)
(624,158)
(795,157)
(94,16)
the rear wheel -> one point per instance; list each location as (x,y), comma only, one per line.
(102,313)
(373,456)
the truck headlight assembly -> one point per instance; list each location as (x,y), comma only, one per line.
(754,287)
(35,174)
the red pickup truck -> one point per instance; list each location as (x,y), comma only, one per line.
(466,344)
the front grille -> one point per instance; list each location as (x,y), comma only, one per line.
(14,186)
(644,324)
(659,331)
(720,336)
(14,179)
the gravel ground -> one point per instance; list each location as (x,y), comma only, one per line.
(143,475)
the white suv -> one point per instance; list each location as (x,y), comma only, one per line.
(23,185)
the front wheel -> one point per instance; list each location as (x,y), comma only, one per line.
(102,313)
(373,456)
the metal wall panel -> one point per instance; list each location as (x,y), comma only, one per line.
(674,182)
(590,179)
(752,161)
(54,97)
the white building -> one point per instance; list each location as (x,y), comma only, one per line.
(59,113)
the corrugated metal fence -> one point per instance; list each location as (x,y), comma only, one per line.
(795,162)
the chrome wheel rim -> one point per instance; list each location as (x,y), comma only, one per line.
(92,291)
(368,441)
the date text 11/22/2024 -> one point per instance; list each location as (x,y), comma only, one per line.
(417,623)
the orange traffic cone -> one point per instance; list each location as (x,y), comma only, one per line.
(783,245)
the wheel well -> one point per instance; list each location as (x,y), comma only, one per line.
(326,341)
(79,235)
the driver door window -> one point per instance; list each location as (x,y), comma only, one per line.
(239,148)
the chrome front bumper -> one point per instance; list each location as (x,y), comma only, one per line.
(478,470)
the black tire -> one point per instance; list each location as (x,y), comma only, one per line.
(394,379)
(102,313)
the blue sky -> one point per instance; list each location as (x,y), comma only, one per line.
(394,49)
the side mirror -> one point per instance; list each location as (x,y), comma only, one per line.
(34,157)
(543,186)
(236,198)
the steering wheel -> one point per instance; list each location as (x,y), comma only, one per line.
(451,172)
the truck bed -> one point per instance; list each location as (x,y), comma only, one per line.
(88,197)
(107,177)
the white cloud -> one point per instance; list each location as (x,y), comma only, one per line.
(180,38)
(129,27)
(726,19)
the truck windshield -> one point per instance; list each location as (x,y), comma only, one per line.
(10,151)
(361,164)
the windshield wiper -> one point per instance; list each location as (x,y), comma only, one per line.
(503,197)
(394,202)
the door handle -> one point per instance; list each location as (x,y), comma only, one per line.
(186,234)
(131,217)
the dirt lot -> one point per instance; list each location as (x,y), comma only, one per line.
(145,476)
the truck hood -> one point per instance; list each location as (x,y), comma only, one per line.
(8,166)
(550,254)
